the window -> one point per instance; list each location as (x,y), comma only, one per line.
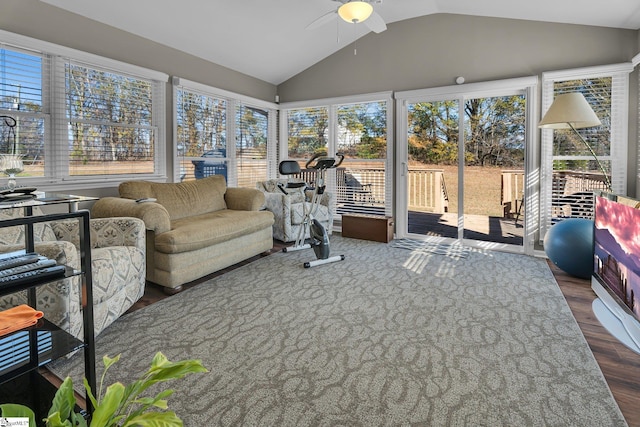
(252,136)
(111,126)
(23,102)
(357,127)
(204,119)
(569,172)
(80,118)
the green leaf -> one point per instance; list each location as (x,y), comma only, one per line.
(154,419)
(92,398)
(109,406)
(107,361)
(13,410)
(64,400)
(78,420)
(54,420)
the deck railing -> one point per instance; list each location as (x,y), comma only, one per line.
(427,190)
(366,187)
(571,192)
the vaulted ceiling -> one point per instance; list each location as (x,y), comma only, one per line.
(269,39)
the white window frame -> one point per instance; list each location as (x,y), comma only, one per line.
(619,74)
(333,104)
(233,100)
(56,175)
(525,85)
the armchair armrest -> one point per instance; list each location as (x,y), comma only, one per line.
(279,204)
(244,199)
(154,215)
(105,232)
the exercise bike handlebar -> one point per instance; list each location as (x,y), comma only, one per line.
(324,162)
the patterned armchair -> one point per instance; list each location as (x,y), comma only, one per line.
(117,263)
(288,209)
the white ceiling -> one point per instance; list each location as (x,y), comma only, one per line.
(267,39)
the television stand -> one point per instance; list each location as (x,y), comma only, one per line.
(624,327)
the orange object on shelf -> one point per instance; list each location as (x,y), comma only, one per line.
(17,318)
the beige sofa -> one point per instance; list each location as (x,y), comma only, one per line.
(194,228)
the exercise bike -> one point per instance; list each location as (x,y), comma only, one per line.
(319,237)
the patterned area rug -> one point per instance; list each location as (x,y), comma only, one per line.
(385,337)
(453,250)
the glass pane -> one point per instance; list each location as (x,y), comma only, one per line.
(433,172)
(308,132)
(110,150)
(252,132)
(20,80)
(574,180)
(201,132)
(110,122)
(22,124)
(362,138)
(24,135)
(494,150)
(598,94)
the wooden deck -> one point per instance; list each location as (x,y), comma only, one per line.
(477,227)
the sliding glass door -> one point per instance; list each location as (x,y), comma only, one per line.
(493,168)
(462,164)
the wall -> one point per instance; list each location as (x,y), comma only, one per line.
(431,51)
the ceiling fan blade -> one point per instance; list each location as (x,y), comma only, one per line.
(322,20)
(375,23)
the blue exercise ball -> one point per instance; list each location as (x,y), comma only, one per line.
(569,245)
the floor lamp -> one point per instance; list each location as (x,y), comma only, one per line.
(572,111)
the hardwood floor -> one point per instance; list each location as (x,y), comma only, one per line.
(620,366)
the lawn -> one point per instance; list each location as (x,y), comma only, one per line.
(482,190)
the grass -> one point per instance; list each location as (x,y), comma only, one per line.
(482,191)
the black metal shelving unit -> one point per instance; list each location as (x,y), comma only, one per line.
(23,352)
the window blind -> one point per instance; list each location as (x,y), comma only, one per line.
(110,116)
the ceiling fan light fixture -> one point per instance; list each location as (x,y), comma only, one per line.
(355,11)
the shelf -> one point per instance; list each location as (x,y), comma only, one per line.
(24,351)
(51,342)
(9,288)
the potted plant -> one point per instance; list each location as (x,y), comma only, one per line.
(117,405)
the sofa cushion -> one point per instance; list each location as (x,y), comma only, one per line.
(200,231)
(182,199)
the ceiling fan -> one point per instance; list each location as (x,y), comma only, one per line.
(353,11)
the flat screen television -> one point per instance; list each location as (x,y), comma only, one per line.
(616,267)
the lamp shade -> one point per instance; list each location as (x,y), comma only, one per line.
(355,11)
(569,109)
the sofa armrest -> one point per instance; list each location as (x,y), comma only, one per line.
(244,199)
(154,215)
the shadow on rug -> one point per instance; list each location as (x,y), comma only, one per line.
(386,337)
